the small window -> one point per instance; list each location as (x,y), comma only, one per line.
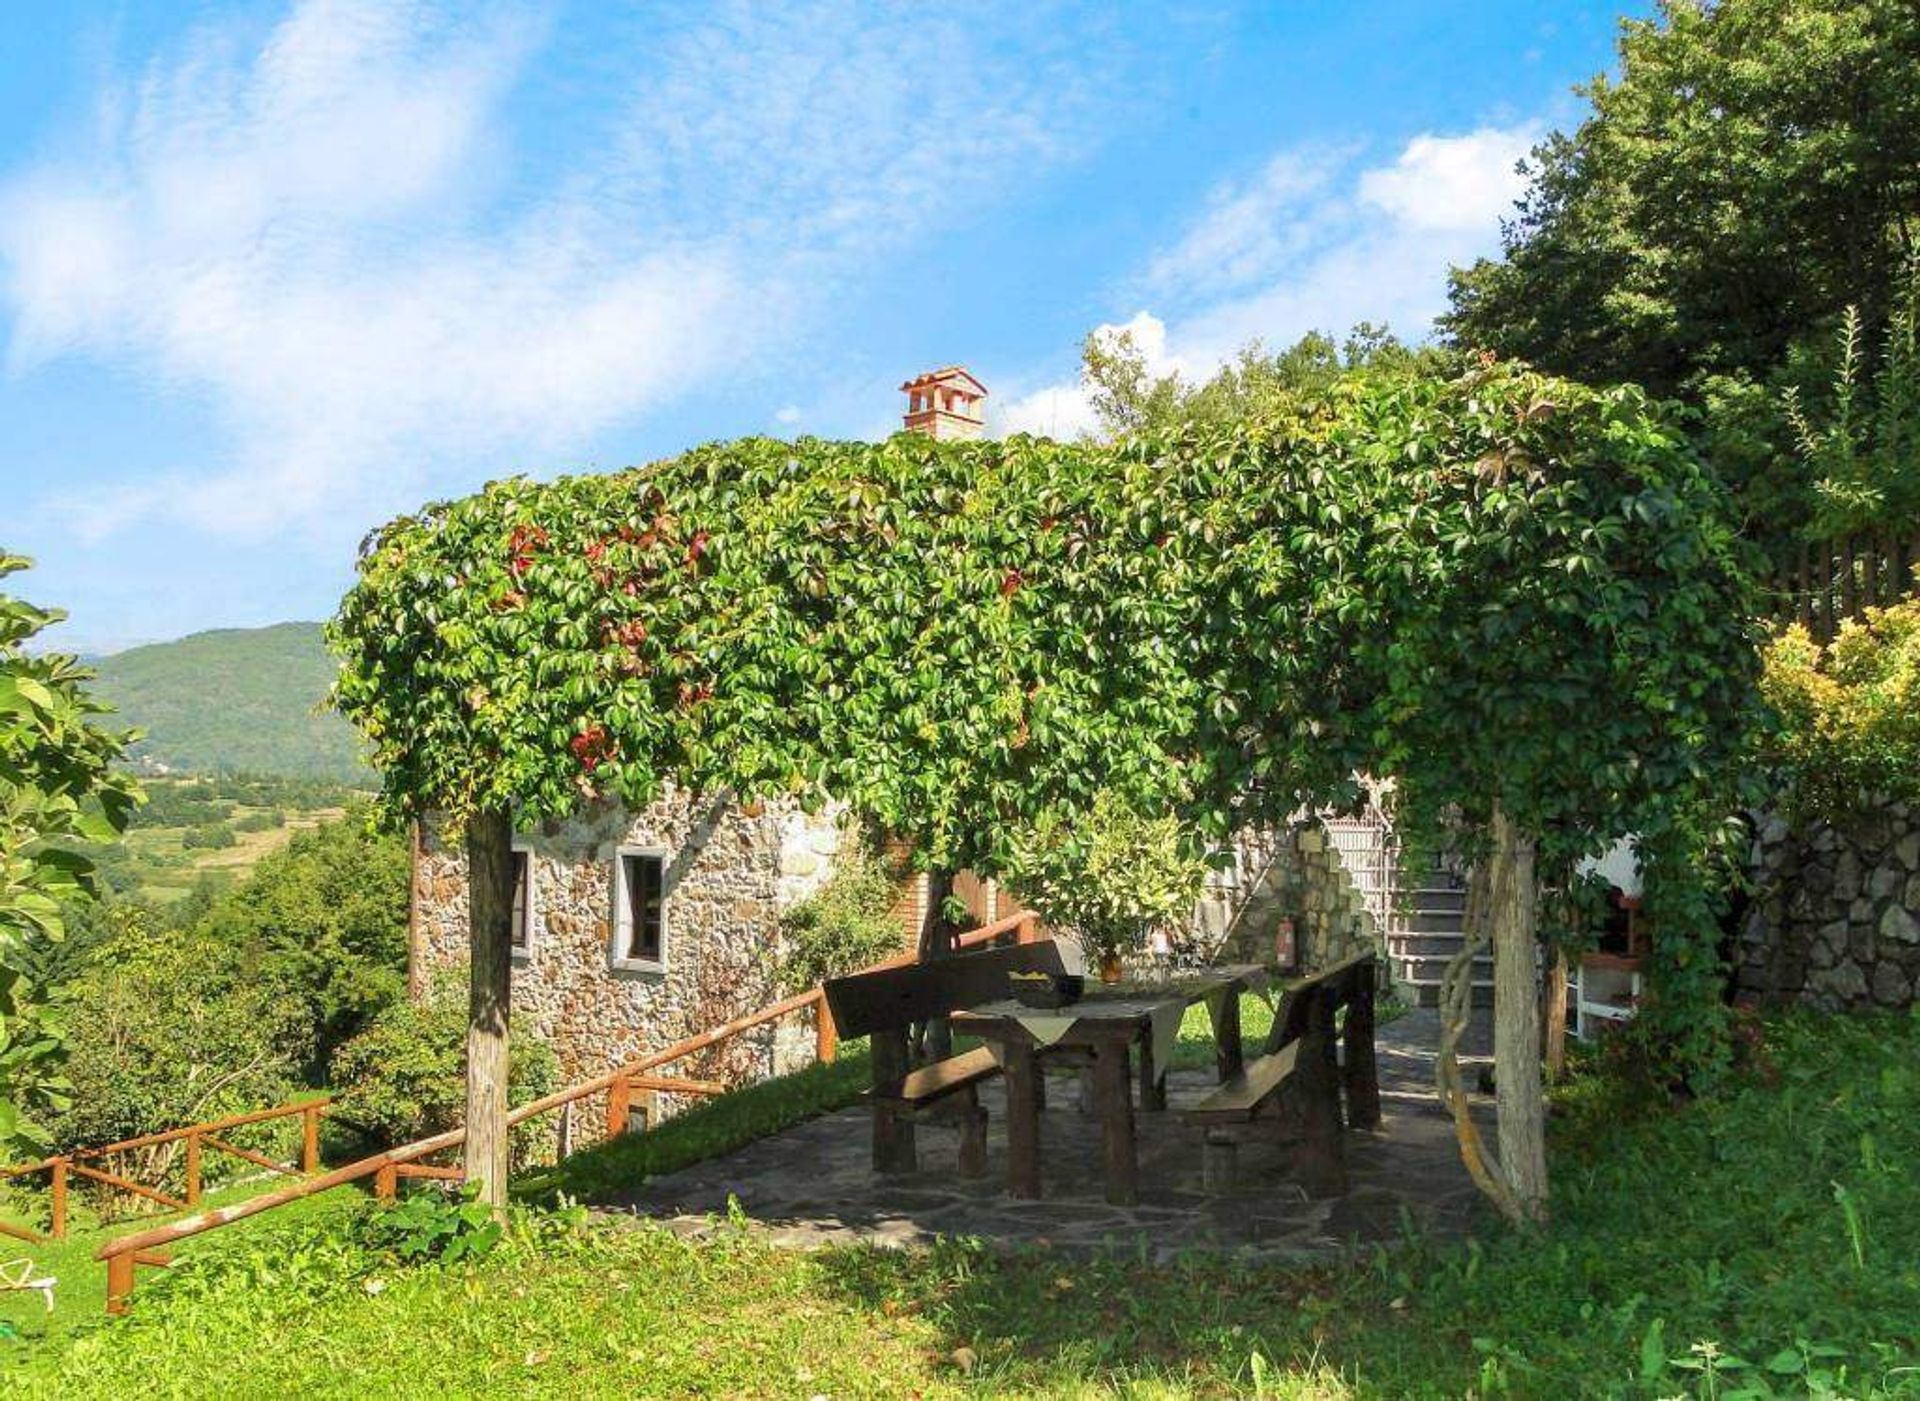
(640,910)
(523,903)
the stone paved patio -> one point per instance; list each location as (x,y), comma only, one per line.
(814,1185)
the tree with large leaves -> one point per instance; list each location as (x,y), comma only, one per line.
(59,794)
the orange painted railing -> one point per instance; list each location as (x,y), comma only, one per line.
(81,1162)
(149,1247)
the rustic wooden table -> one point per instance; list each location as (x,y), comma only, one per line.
(1108,1022)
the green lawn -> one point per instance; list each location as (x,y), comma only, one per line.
(1768,1240)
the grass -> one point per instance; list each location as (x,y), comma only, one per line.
(1765,1243)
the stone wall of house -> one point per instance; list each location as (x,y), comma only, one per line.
(731,871)
(1835,919)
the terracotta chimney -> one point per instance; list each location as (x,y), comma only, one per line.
(945,404)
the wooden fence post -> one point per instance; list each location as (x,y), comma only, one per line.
(826,1037)
(310,1138)
(59,1198)
(193,1169)
(619,1106)
(119,1281)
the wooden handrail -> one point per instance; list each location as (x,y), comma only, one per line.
(187,1226)
(231,1121)
(75,1161)
(123,1253)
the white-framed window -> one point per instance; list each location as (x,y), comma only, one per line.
(526,906)
(640,909)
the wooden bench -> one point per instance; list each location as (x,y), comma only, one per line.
(1301,1074)
(884,1004)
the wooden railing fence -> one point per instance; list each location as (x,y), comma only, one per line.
(197,1139)
(1834,580)
(643,1077)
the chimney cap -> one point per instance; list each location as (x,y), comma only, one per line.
(951,374)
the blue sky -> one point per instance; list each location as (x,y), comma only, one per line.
(273,273)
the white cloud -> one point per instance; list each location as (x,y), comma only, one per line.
(1066,410)
(309,234)
(1248,231)
(787,415)
(1454,183)
(1316,240)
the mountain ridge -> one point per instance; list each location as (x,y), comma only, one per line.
(233,700)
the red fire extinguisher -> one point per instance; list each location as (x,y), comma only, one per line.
(1283,943)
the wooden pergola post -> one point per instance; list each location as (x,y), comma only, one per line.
(490,942)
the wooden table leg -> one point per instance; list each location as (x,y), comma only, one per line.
(1229,1057)
(1115,1095)
(1022,1072)
(1361,1070)
(893,1136)
(1153,1085)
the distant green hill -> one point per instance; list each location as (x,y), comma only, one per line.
(235,700)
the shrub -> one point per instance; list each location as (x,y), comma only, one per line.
(846,925)
(178,1026)
(1112,877)
(329,913)
(1849,712)
(404,1077)
(211,836)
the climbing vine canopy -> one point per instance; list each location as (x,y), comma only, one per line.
(1491,584)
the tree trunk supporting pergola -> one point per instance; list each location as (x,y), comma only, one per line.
(1501,911)
(490,943)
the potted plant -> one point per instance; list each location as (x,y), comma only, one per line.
(1109,876)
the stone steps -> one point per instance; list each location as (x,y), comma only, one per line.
(1433,935)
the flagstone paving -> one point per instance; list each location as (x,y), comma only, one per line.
(814,1184)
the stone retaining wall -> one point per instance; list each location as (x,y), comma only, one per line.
(1835,921)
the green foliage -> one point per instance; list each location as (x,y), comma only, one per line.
(1683,1239)
(327,918)
(1111,876)
(1849,712)
(1129,399)
(847,924)
(210,837)
(434,1226)
(404,1077)
(1745,180)
(1491,587)
(236,700)
(1749,174)
(59,797)
(181,1025)
(1865,458)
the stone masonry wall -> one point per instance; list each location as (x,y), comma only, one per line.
(1297,874)
(730,873)
(1835,920)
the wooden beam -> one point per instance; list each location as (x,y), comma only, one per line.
(127,1184)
